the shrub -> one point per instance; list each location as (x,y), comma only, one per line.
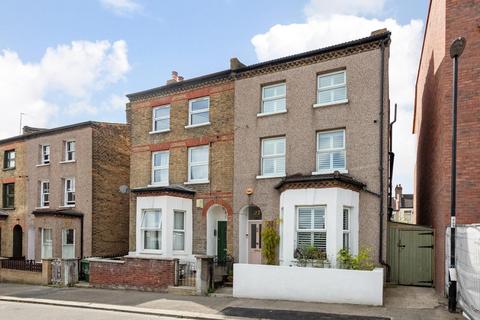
(270,242)
(362,261)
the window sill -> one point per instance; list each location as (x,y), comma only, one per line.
(69,161)
(156,252)
(270,177)
(197,182)
(8,208)
(40,208)
(68,206)
(266,114)
(318,105)
(197,125)
(159,131)
(9,169)
(329,171)
(43,164)
(157,185)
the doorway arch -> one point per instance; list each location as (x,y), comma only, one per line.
(17,241)
(217,231)
(250,231)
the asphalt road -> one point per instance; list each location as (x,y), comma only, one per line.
(27,311)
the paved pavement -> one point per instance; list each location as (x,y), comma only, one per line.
(22,311)
(401,303)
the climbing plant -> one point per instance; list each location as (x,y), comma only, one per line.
(270,241)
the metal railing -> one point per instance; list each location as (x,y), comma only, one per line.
(186,274)
(24,265)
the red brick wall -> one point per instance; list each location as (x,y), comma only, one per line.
(133,273)
(433,124)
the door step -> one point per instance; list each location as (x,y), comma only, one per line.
(182,291)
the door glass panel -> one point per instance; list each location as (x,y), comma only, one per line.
(253,236)
(259,236)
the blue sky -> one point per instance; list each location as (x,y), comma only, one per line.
(192,37)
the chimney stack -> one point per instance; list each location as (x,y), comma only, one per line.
(379,31)
(175,78)
(235,64)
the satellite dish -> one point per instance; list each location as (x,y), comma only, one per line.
(124,189)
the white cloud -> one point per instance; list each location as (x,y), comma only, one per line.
(68,73)
(324,27)
(122,7)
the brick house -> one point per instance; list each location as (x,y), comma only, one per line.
(182,168)
(447,20)
(402,207)
(13,209)
(311,149)
(73,206)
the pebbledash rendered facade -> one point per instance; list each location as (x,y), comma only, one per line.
(65,201)
(301,139)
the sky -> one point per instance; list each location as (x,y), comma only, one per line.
(63,62)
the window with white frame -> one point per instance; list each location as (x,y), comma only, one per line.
(311,227)
(70,150)
(332,88)
(45,154)
(331,151)
(9,159)
(199,110)
(198,164)
(273,98)
(151,229)
(178,230)
(68,243)
(47,247)
(44,193)
(161,118)
(273,156)
(346,229)
(69,196)
(160,164)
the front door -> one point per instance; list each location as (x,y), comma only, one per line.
(255,242)
(222,240)
(415,258)
(17,241)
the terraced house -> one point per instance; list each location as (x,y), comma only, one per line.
(311,150)
(62,193)
(13,209)
(182,168)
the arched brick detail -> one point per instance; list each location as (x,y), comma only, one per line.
(220,202)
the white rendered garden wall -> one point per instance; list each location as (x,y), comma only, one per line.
(308,284)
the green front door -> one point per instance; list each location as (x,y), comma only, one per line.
(415,257)
(222,240)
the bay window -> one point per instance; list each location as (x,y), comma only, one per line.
(151,229)
(178,230)
(311,227)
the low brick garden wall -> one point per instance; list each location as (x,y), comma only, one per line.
(139,273)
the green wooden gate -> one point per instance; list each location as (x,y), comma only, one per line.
(410,254)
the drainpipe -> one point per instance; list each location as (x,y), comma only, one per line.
(81,235)
(391,158)
(382,81)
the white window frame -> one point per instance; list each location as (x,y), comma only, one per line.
(331,87)
(155,168)
(196,164)
(50,244)
(158,228)
(279,97)
(179,230)
(273,156)
(43,194)
(64,244)
(347,231)
(70,151)
(66,191)
(313,230)
(330,151)
(45,156)
(191,112)
(155,119)
(10,162)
